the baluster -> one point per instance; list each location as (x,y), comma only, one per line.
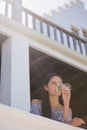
(45,29)
(34,22)
(41,26)
(55,33)
(74,43)
(26,19)
(79,42)
(61,37)
(48,30)
(6,9)
(16,10)
(85,44)
(68,40)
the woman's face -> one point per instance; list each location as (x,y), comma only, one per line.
(52,84)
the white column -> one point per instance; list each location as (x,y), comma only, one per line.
(15,80)
(17,10)
(20,81)
(5,88)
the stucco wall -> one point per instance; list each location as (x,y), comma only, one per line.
(75,15)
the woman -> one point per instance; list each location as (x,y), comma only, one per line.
(50,107)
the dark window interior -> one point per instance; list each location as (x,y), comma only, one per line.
(42,64)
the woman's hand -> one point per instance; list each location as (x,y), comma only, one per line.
(66,94)
(76,122)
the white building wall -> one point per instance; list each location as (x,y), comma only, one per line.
(15,79)
(16,57)
(75,15)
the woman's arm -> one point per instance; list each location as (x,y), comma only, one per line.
(76,122)
(66,94)
(67,114)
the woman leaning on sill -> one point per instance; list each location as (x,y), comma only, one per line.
(50,107)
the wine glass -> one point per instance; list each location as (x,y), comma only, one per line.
(65,85)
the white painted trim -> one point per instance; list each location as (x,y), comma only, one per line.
(74,60)
(45,44)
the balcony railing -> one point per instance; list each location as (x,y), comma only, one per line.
(47,28)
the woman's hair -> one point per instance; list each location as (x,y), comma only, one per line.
(46,109)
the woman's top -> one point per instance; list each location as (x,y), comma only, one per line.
(56,114)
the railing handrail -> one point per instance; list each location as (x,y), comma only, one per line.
(53,24)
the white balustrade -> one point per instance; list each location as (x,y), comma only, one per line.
(13,9)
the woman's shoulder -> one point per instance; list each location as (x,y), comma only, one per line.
(36,101)
(36,107)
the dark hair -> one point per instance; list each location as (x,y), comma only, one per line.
(46,109)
